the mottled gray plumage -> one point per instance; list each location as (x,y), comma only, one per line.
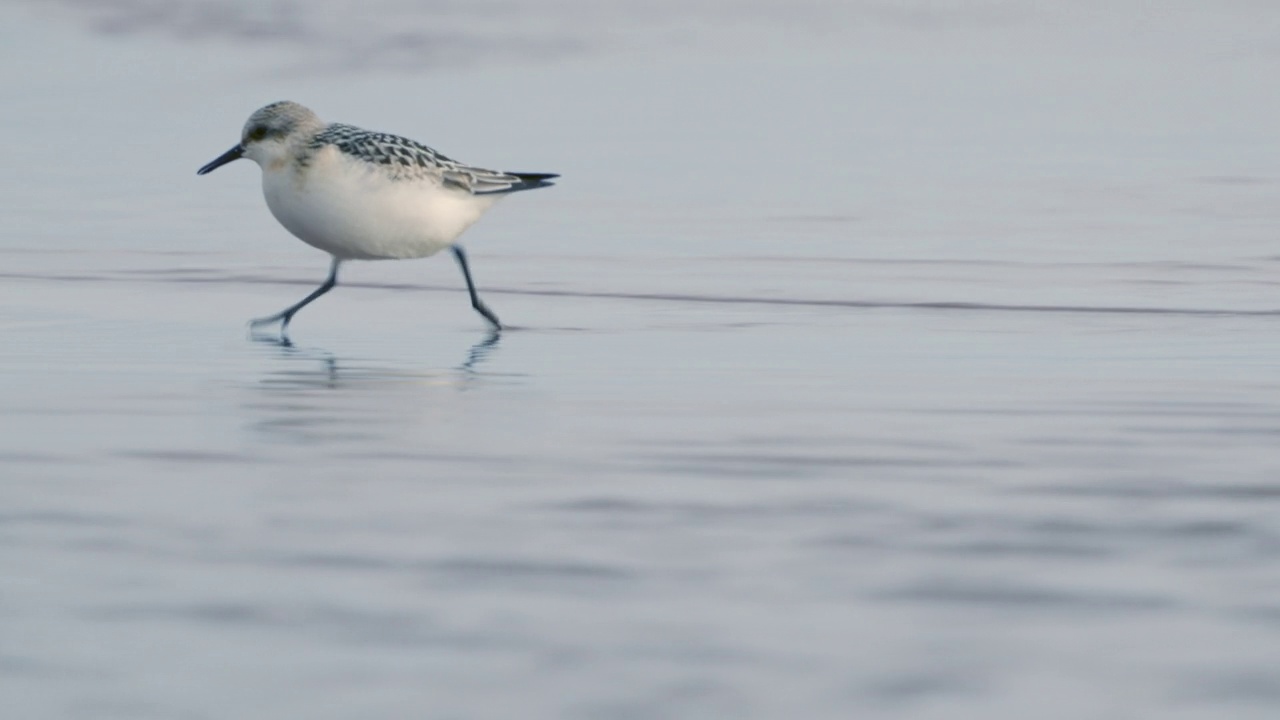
(405,159)
(280,120)
(400,157)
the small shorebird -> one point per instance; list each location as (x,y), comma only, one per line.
(363,195)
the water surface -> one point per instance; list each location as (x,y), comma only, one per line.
(867,362)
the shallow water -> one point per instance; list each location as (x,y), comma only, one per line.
(866,362)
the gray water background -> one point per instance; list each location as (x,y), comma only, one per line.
(872,360)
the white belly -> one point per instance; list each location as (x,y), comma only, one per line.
(353,211)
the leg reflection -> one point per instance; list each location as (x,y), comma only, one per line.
(480,351)
(316,367)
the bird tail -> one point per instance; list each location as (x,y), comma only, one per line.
(531,181)
(492,182)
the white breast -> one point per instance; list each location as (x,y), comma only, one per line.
(353,210)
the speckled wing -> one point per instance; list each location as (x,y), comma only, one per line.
(405,159)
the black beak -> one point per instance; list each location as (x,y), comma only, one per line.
(233,154)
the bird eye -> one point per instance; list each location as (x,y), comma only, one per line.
(258,132)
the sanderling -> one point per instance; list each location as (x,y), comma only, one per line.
(363,195)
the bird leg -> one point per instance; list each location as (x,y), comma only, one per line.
(476,303)
(284,316)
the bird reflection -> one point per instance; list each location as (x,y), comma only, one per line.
(312,396)
(334,372)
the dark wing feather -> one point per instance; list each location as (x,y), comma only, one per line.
(407,159)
